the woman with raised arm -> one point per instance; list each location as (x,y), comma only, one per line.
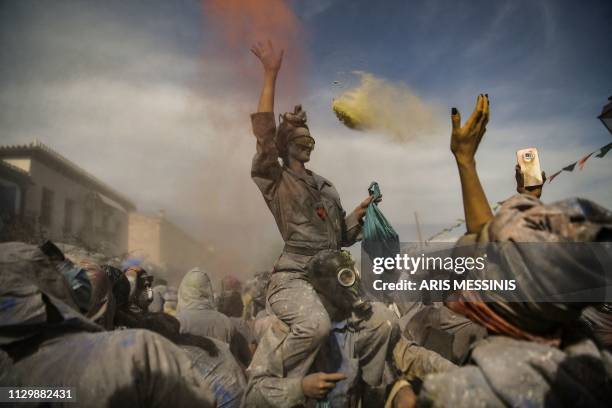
(310,218)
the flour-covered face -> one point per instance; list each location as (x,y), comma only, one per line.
(300,153)
(301,147)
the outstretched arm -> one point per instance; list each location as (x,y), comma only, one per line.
(271,61)
(464,144)
(265,169)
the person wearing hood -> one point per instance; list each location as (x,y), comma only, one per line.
(230,304)
(212,360)
(537,352)
(46,342)
(196,308)
(597,317)
(197,314)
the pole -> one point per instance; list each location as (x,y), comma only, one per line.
(418,226)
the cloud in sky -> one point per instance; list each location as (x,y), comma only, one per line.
(139,95)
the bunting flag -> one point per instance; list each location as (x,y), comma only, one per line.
(601,152)
(554,175)
(604,150)
(583,160)
(570,167)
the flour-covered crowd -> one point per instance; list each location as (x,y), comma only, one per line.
(307,334)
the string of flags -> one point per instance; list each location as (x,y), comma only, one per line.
(460,222)
(601,152)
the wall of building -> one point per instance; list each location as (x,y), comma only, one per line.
(111,238)
(179,251)
(144,237)
(166,247)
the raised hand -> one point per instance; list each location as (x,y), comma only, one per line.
(269,57)
(271,61)
(464,144)
(535,191)
(465,139)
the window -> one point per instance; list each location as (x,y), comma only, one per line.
(8,201)
(68,216)
(46,207)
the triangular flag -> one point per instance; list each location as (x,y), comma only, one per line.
(583,160)
(604,150)
(570,167)
(553,176)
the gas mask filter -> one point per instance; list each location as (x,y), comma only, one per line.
(334,276)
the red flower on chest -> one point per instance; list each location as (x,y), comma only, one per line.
(321,212)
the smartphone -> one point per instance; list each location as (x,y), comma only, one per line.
(529,161)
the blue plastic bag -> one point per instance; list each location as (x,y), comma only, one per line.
(379,237)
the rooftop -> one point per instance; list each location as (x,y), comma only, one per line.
(40,151)
(15,173)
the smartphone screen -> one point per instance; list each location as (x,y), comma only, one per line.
(529,161)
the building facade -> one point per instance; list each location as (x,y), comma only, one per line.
(58,200)
(167,248)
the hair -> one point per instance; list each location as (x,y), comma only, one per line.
(230,304)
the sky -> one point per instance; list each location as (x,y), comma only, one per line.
(153,97)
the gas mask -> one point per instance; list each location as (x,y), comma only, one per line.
(141,293)
(334,276)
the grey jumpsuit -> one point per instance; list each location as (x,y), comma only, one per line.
(296,203)
(310,218)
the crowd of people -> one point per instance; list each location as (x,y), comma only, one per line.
(306,333)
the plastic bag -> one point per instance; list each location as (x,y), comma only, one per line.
(379,237)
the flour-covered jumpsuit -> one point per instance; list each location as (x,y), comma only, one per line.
(310,218)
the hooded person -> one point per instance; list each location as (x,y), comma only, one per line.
(132,310)
(230,304)
(50,344)
(597,317)
(197,314)
(537,353)
(213,363)
(196,308)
